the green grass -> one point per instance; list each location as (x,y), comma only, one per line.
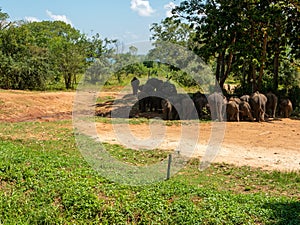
(105,99)
(45,180)
(142,120)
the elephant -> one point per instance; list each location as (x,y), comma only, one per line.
(245,98)
(271,104)
(154,82)
(168,110)
(217,103)
(167,89)
(143,101)
(232,110)
(200,101)
(235,99)
(258,104)
(176,102)
(135,85)
(245,111)
(144,96)
(285,107)
(151,103)
(187,109)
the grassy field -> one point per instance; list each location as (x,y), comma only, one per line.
(45,180)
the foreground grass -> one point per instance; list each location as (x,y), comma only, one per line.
(45,180)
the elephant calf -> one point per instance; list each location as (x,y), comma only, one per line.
(285,107)
(232,110)
(200,101)
(271,104)
(245,111)
(169,111)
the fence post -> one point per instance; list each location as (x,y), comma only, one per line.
(169,166)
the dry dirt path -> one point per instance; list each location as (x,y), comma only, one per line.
(273,145)
(270,145)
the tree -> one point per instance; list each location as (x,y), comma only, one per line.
(66,47)
(3,20)
(249,35)
(24,64)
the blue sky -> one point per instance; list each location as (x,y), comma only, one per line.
(125,20)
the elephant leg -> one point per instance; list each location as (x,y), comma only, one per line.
(142,105)
(249,114)
(220,113)
(263,113)
(275,110)
(286,112)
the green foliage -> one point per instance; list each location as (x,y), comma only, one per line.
(44,55)
(251,39)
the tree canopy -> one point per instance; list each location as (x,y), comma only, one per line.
(254,41)
(41,55)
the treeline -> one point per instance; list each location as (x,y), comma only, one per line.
(254,43)
(45,55)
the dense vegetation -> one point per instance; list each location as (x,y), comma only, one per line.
(256,42)
(253,44)
(44,55)
(45,180)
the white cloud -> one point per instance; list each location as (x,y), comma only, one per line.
(31,19)
(142,7)
(59,17)
(169,8)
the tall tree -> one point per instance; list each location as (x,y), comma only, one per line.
(236,35)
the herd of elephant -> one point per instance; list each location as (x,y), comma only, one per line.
(161,96)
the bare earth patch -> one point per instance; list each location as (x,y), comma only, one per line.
(269,145)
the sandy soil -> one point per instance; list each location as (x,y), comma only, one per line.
(269,145)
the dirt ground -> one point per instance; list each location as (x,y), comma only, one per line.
(268,145)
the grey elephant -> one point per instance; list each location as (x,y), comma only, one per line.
(217,106)
(245,111)
(177,106)
(187,108)
(232,110)
(167,89)
(271,104)
(135,85)
(143,99)
(155,83)
(169,111)
(200,101)
(285,107)
(258,104)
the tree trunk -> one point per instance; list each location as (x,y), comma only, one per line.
(276,59)
(219,60)
(222,67)
(252,73)
(229,64)
(263,60)
(276,67)
(67,81)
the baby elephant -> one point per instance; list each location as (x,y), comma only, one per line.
(232,110)
(285,107)
(245,111)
